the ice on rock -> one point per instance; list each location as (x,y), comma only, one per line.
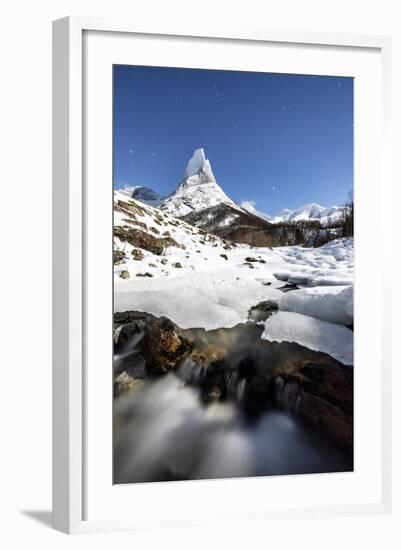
(328,303)
(195,163)
(207,171)
(315,334)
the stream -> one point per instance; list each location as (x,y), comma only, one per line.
(218,418)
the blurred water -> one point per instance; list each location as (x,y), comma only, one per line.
(162,431)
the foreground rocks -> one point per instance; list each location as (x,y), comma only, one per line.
(144,240)
(137,254)
(160,341)
(118,257)
(164,345)
(237,364)
(325,393)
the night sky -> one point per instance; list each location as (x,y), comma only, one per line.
(280,141)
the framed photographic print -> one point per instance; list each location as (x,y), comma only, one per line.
(219,308)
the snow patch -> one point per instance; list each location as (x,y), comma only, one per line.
(315,334)
(328,303)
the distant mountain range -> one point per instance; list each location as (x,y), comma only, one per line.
(308,212)
(200,201)
(142,194)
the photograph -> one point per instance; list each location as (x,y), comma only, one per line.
(233,274)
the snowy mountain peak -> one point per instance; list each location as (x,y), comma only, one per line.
(195,163)
(197,191)
(284,212)
(198,169)
(311,212)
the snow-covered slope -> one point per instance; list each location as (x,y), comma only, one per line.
(197,191)
(234,224)
(250,207)
(166,266)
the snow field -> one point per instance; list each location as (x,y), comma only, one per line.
(211,291)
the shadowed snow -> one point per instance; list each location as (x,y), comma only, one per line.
(335,340)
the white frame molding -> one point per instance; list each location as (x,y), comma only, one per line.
(68,264)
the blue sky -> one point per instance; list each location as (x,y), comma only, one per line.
(281,141)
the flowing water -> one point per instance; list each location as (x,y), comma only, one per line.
(164,430)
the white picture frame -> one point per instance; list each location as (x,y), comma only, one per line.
(69,287)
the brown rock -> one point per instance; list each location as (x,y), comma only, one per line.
(141,239)
(263,310)
(207,355)
(325,390)
(137,254)
(118,257)
(131,208)
(164,346)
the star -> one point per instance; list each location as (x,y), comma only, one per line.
(273,188)
(131,151)
(219,97)
(339,84)
(283,108)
